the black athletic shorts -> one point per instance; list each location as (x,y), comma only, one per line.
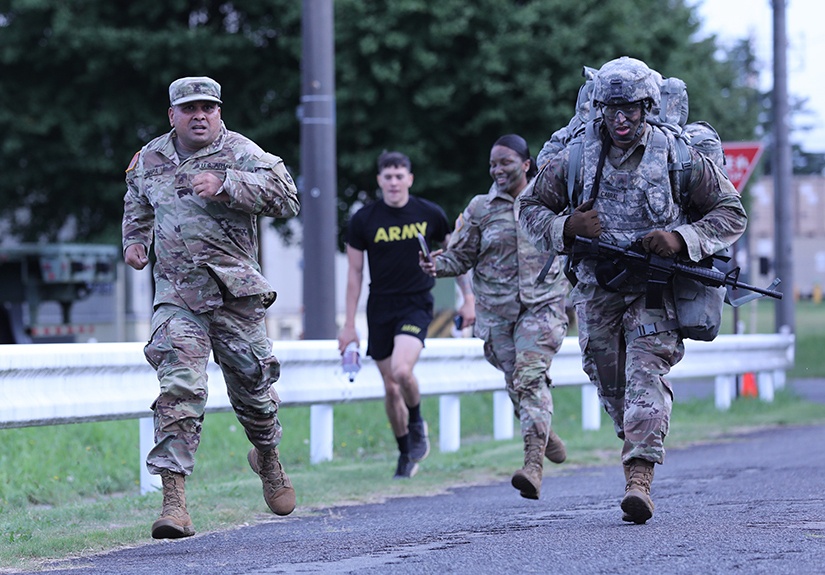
(391,315)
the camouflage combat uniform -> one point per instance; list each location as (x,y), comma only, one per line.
(210,294)
(636,195)
(522,322)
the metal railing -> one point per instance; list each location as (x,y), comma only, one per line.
(48,384)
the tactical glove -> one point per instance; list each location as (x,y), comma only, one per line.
(664,244)
(583,222)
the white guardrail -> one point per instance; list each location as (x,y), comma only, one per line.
(48,384)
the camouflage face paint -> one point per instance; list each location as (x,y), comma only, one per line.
(508,170)
(624,129)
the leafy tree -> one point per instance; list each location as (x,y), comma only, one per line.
(84,86)
(808,163)
(441,81)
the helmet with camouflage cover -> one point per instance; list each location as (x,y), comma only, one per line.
(625,80)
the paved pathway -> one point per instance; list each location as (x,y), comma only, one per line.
(752,504)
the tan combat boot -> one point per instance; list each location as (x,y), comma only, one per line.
(555,450)
(625,515)
(637,504)
(174,521)
(278,492)
(528,479)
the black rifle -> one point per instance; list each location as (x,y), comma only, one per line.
(657,271)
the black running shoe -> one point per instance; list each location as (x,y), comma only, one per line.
(406,468)
(419,441)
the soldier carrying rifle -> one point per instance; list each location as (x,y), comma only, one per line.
(628,194)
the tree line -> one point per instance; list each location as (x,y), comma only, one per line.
(83,85)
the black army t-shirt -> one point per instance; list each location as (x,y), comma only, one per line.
(388,235)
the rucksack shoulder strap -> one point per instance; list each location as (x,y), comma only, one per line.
(683,165)
(575,184)
(682,162)
(573,169)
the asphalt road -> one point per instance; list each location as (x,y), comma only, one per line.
(753,504)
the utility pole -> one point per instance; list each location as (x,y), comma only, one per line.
(783,200)
(318,168)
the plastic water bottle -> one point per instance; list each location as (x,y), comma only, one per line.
(351,360)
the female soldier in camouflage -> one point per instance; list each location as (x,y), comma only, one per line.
(522,322)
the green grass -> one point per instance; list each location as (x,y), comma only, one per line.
(70,490)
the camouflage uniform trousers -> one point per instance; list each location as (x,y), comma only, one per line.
(630,376)
(523,350)
(179,351)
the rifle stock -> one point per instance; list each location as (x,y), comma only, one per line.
(650,266)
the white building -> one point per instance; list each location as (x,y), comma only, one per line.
(808,208)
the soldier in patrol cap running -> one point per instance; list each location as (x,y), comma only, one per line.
(196,193)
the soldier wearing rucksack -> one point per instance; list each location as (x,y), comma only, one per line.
(630,192)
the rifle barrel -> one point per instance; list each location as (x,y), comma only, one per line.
(722,279)
(593,247)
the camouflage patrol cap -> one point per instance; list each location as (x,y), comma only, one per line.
(194,89)
(625,80)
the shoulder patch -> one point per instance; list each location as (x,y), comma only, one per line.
(133,163)
(459,222)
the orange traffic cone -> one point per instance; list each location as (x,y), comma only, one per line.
(749,388)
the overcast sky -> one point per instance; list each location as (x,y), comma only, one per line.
(735,19)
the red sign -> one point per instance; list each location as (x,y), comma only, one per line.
(740,160)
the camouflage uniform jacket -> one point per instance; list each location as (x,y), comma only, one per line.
(505,262)
(637,194)
(205,249)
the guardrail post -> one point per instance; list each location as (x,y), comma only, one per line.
(148,482)
(449,423)
(591,407)
(725,391)
(502,415)
(764,382)
(320,433)
(779,379)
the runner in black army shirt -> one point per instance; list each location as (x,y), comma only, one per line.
(400,305)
